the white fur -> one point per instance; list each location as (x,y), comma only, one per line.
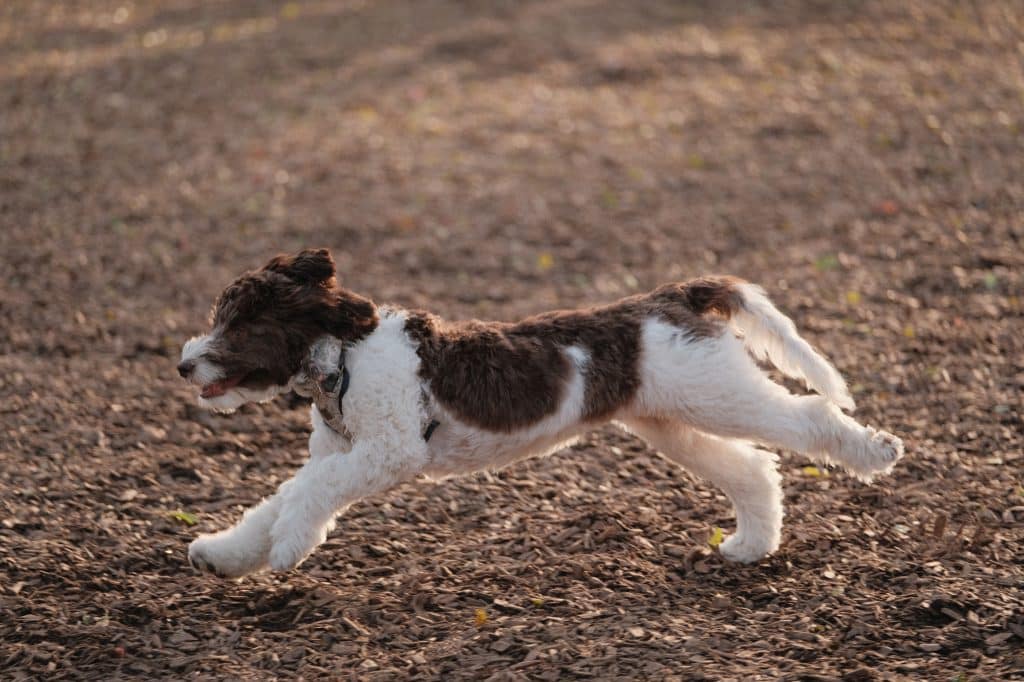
(770,335)
(194,349)
(714,386)
(701,403)
(748,476)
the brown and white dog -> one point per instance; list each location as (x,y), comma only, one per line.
(426,396)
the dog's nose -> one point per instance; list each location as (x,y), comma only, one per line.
(185,368)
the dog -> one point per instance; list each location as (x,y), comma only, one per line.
(403,393)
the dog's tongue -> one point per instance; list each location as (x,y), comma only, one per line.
(219,388)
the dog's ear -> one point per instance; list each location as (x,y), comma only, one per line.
(309,266)
(352,316)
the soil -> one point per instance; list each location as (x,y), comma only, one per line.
(864,161)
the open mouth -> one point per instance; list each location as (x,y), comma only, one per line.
(256,379)
(219,388)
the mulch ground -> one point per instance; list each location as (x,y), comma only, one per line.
(864,161)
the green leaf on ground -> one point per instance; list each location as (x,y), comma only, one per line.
(185,517)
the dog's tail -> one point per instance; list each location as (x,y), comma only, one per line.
(767,333)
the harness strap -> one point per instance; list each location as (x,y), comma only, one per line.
(327,395)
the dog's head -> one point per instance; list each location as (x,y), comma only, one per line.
(263,324)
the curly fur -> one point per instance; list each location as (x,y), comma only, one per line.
(673,366)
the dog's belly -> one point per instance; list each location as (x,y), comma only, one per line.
(461,449)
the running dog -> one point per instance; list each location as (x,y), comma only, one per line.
(398,393)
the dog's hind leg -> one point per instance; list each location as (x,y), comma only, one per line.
(752,407)
(713,385)
(744,473)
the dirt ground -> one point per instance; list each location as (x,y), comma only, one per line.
(862,160)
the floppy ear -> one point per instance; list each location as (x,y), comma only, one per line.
(309,266)
(351,315)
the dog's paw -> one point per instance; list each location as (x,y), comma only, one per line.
(888,449)
(745,549)
(198,560)
(201,556)
(218,555)
(881,452)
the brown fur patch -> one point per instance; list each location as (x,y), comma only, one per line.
(504,376)
(266,320)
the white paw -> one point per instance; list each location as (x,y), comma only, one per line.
(888,447)
(203,555)
(223,557)
(746,549)
(882,451)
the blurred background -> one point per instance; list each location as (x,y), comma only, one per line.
(862,160)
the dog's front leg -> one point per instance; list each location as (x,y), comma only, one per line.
(245,547)
(325,487)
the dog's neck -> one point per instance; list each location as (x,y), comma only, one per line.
(324,378)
